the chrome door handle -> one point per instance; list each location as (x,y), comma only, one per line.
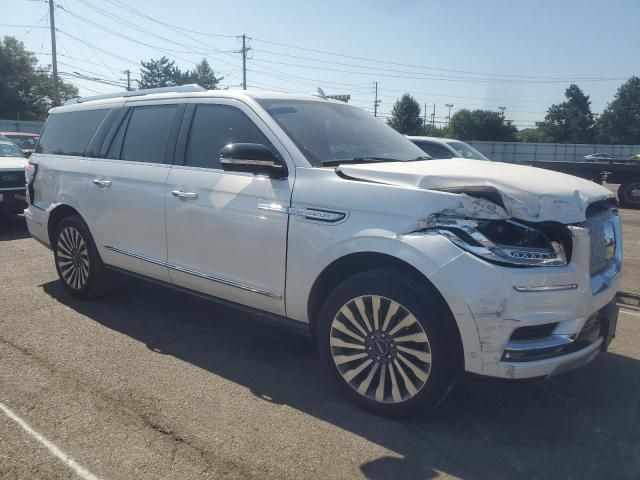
(184,195)
(102,183)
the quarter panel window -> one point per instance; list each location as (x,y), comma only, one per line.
(147,133)
(213,127)
(69,133)
(435,151)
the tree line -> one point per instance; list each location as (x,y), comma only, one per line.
(26,94)
(571,121)
(26,87)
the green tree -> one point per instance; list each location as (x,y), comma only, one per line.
(203,75)
(159,73)
(570,121)
(529,135)
(480,125)
(26,89)
(405,116)
(433,131)
(620,121)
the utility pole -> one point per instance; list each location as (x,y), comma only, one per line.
(244,61)
(424,118)
(54,62)
(376,102)
(128,72)
(502,109)
(449,105)
(433,116)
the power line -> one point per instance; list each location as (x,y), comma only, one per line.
(378,61)
(96,47)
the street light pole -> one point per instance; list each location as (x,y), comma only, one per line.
(449,105)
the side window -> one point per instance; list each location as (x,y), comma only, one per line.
(116,142)
(69,133)
(212,128)
(435,151)
(147,133)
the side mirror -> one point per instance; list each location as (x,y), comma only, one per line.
(253,158)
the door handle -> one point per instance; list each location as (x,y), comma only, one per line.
(184,195)
(102,183)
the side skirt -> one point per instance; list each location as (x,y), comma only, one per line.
(260,315)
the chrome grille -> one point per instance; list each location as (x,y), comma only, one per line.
(602,239)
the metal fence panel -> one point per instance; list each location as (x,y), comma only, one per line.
(20,126)
(517,152)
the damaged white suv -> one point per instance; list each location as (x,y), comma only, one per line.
(312,213)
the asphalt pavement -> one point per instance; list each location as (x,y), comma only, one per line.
(150,383)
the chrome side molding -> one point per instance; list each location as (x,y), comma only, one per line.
(195,273)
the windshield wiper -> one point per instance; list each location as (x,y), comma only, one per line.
(356,160)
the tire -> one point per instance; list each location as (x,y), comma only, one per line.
(629,193)
(407,361)
(77,261)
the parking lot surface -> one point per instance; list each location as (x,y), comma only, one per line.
(150,383)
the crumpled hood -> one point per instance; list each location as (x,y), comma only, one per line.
(12,163)
(527,193)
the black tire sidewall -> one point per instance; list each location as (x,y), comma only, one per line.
(90,288)
(622,193)
(428,308)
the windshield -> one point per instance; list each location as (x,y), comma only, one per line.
(329,132)
(24,141)
(9,149)
(466,151)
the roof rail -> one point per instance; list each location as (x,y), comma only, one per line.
(136,93)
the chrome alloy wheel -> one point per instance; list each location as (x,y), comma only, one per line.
(73,258)
(380,349)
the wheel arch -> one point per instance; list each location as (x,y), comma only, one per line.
(55,217)
(354,263)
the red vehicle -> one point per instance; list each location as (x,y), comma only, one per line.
(25,140)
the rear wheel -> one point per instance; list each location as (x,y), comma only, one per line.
(77,261)
(629,193)
(390,346)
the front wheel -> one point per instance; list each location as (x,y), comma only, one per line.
(77,261)
(629,193)
(391,347)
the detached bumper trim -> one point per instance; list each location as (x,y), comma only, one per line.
(547,288)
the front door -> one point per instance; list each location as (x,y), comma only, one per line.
(227,231)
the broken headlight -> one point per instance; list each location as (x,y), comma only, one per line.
(506,242)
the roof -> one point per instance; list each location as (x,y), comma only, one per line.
(111,101)
(432,139)
(21,134)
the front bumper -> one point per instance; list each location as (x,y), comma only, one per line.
(12,201)
(495,301)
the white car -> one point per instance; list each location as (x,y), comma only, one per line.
(12,181)
(438,148)
(312,213)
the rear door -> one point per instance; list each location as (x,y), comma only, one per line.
(127,190)
(227,231)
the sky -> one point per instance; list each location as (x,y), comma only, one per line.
(517,54)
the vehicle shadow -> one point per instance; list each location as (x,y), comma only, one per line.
(629,300)
(585,424)
(13,227)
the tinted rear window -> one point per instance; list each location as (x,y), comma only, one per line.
(435,151)
(147,133)
(69,133)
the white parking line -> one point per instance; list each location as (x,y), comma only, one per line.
(63,457)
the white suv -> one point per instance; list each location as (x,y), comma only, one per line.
(407,272)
